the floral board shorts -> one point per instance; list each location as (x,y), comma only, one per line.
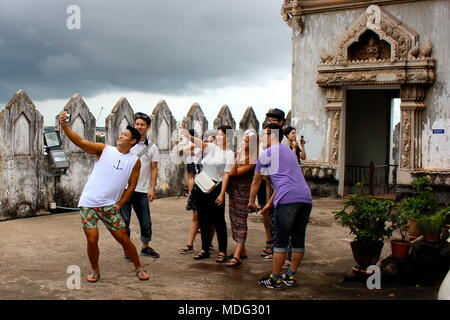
(109,215)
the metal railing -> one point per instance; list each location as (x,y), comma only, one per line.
(378,179)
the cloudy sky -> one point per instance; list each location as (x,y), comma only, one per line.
(213,52)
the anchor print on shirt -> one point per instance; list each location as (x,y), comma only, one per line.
(117,167)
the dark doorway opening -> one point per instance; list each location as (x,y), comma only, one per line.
(370,136)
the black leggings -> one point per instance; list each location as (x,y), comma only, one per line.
(211,214)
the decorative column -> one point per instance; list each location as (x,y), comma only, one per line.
(411,106)
(334,105)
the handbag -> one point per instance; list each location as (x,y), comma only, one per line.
(204,182)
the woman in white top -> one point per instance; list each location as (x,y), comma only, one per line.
(217,163)
(193,158)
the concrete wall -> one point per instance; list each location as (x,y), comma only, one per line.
(165,135)
(30,184)
(21,145)
(83,123)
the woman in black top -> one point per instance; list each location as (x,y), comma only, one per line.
(291,135)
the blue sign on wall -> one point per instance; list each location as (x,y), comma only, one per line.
(438,131)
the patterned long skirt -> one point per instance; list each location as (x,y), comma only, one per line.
(239,192)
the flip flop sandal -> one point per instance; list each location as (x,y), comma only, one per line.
(93,277)
(267,250)
(232,256)
(221,258)
(186,249)
(234,262)
(201,255)
(140,273)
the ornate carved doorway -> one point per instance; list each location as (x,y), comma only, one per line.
(378,51)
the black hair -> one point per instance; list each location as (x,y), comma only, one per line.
(134,134)
(288,130)
(273,128)
(224,128)
(143,116)
(192,132)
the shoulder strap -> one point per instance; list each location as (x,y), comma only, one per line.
(144,151)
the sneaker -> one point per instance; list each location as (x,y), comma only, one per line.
(268,282)
(287,264)
(149,252)
(288,280)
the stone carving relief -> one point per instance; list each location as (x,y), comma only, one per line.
(336,116)
(374,51)
(334,106)
(406,138)
(379,50)
(369,47)
(291,12)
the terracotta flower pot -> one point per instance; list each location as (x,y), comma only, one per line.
(366,253)
(413,232)
(400,248)
(432,237)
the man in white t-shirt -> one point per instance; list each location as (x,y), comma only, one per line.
(110,184)
(145,189)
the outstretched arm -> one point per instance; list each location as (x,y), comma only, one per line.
(198,142)
(87,146)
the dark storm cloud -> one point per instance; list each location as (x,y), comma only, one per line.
(165,46)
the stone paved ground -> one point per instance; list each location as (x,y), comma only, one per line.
(35,253)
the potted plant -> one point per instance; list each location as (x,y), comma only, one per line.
(400,247)
(366,217)
(431,225)
(422,203)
